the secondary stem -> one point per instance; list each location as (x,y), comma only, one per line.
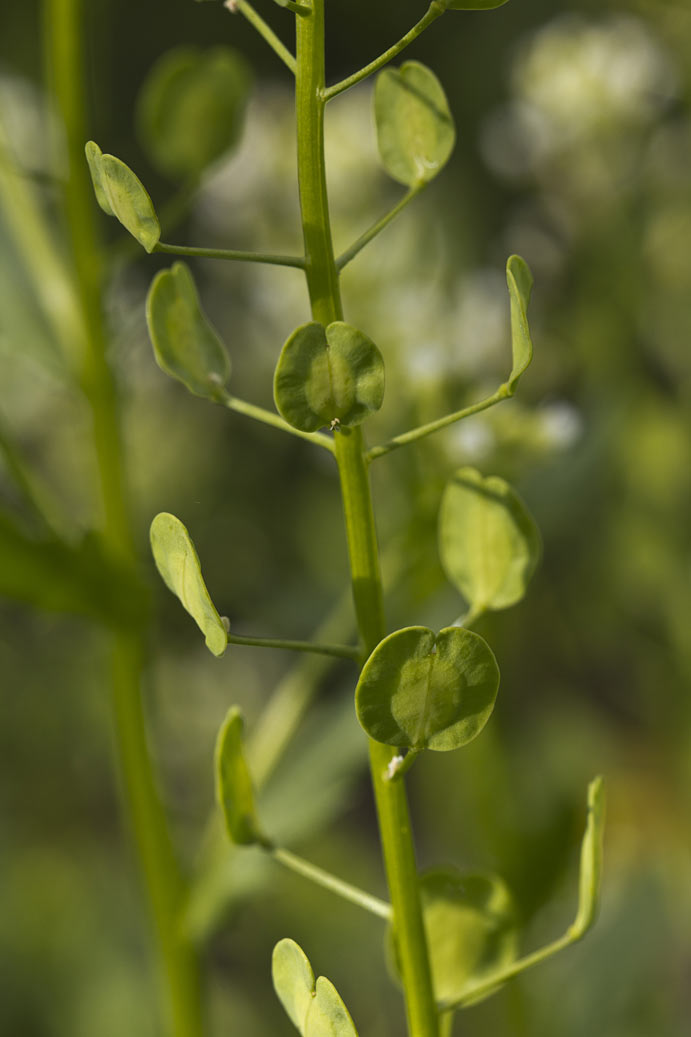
(64,21)
(324,292)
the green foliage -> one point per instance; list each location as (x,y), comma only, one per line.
(178,563)
(315,1008)
(328,376)
(415,129)
(234,791)
(488,542)
(471,927)
(81,578)
(520,282)
(591,860)
(185,344)
(121,193)
(421,690)
(191,108)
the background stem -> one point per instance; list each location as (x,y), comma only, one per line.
(65,46)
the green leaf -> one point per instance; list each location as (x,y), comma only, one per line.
(327,1016)
(121,193)
(93,158)
(178,564)
(293,980)
(82,579)
(233,783)
(470,922)
(325,376)
(520,282)
(315,1009)
(185,344)
(415,129)
(421,690)
(488,542)
(191,108)
(473,5)
(591,860)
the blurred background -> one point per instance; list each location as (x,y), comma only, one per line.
(574,150)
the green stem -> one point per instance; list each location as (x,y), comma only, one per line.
(436,10)
(265,30)
(64,20)
(502,393)
(332,882)
(377,227)
(324,292)
(250,410)
(227,253)
(337,651)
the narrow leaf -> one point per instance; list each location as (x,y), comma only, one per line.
(471,927)
(488,542)
(328,376)
(415,129)
(185,344)
(233,782)
(121,193)
(191,108)
(327,1016)
(591,860)
(93,158)
(421,690)
(293,980)
(178,564)
(520,282)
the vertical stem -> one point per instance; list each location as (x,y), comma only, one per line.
(65,48)
(324,292)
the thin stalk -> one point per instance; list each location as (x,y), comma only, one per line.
(377,227)
(331,882)
(435,10)
(64,20)
(324,292)
(265,30)
(317,648)
(421,431)
(228,253)
(250,410)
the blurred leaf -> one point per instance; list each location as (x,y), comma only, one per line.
(178,563)
(325,375)
(415,129)
(327,1016)
(488,542)
(234,790)
(316,1009)
(121,193)
(422,690)
(293,980)
(470,922)
(186,346)
(520,282)
(191,108)
(591,860)
(84,579)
